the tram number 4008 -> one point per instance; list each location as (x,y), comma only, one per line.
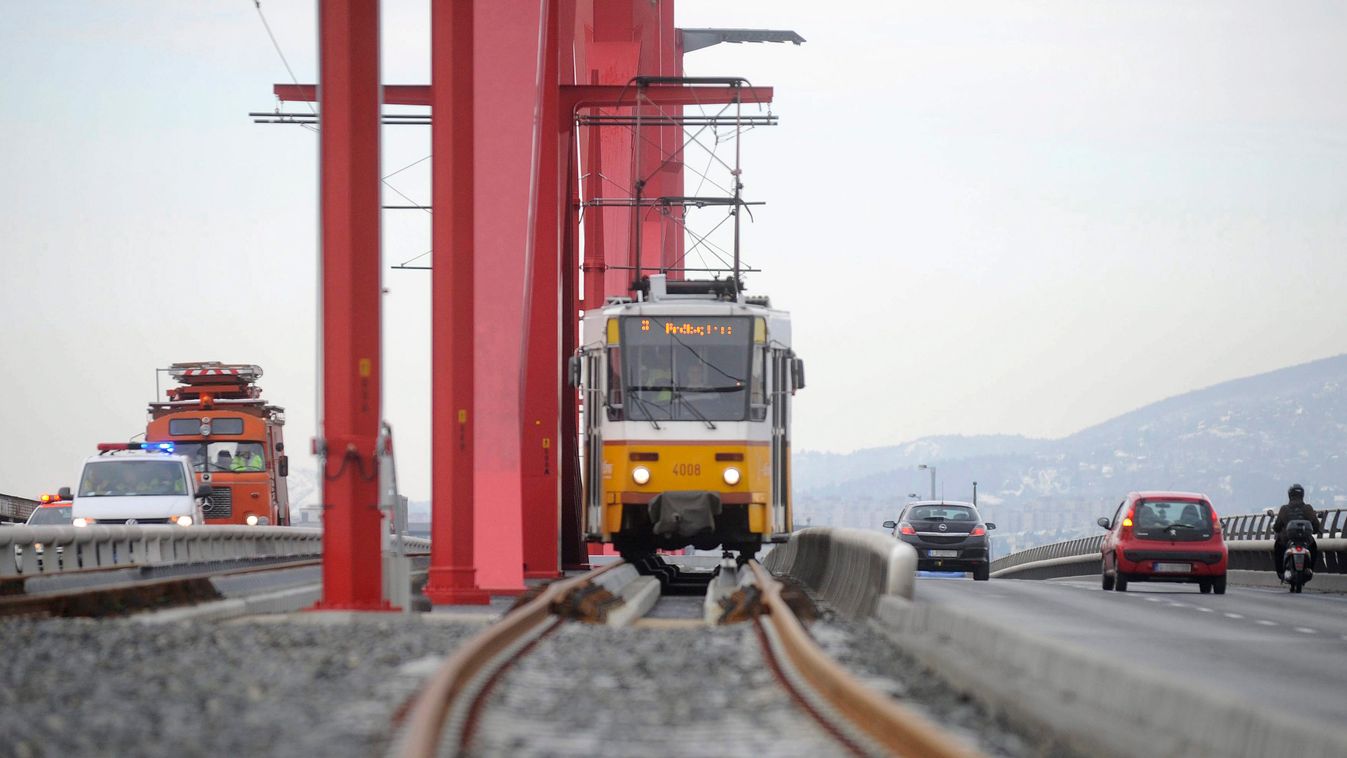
(687,469)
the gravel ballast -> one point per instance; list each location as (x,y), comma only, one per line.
(303,685)
(595,691)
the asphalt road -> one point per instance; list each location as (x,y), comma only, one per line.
(1281,651)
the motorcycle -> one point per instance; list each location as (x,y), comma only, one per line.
(1298,560)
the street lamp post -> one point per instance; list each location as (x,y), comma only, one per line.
(932,470)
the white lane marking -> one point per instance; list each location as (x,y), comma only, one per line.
(1204,610)
(1178,605)
(1265,622)
(1305,630)
(1153,599)
(1234,615)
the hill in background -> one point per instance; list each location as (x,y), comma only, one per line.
(1241,442)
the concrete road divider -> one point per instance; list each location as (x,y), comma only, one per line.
(850,568)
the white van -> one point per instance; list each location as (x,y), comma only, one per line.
(137,483)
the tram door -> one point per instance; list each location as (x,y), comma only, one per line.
(593,412)
(781,441)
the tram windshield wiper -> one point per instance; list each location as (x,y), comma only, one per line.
(678,396)
(643,405)
(724,388)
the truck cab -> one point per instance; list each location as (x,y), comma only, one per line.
(217,418)
(137,483)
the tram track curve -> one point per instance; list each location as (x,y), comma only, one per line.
(444,718)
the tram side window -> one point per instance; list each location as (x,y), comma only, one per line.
(615,411)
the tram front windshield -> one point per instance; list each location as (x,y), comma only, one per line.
(686,368)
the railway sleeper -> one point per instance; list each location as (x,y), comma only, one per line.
(588,603)
(744,604)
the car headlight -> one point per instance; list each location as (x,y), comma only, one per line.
(185,521)
(252,519)
(81,521)
(731,475)
(640,475)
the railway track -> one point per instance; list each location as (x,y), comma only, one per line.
(450,714)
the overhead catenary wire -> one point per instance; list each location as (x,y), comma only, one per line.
(703,121)
(313,128)
(281,54)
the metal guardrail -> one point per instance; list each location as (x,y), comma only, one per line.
(47,550)
(1248,538)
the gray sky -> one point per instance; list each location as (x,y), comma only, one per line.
(985,216)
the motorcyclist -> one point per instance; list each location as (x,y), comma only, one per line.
(1295,508)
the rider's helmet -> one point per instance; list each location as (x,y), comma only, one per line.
(1296,492)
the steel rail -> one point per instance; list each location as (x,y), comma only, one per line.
(128,597)
(886,722)
(424,728)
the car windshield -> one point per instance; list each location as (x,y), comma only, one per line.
(941,513)
(1179,514)
(222,456)
(52,515)
(121,478)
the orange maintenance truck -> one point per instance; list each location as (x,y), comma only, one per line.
(217,418)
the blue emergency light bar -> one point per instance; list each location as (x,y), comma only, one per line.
(154,447)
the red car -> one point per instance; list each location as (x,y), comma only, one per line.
(1164,537)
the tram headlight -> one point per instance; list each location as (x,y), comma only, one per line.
(640,475)
(731,475)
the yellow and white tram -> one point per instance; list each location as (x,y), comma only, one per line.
(686,419)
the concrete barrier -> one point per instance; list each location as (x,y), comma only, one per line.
(1095,706)
(850,568)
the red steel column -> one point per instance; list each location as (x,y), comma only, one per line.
(452,576)
(540,444)
(573,550)
(594,263)
(349,97)
(661,160)
(615,54)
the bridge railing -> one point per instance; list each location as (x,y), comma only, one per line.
(1248,538)
(45,550)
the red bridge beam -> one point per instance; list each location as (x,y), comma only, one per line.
(573,95)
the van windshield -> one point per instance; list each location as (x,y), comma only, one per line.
(122,478)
